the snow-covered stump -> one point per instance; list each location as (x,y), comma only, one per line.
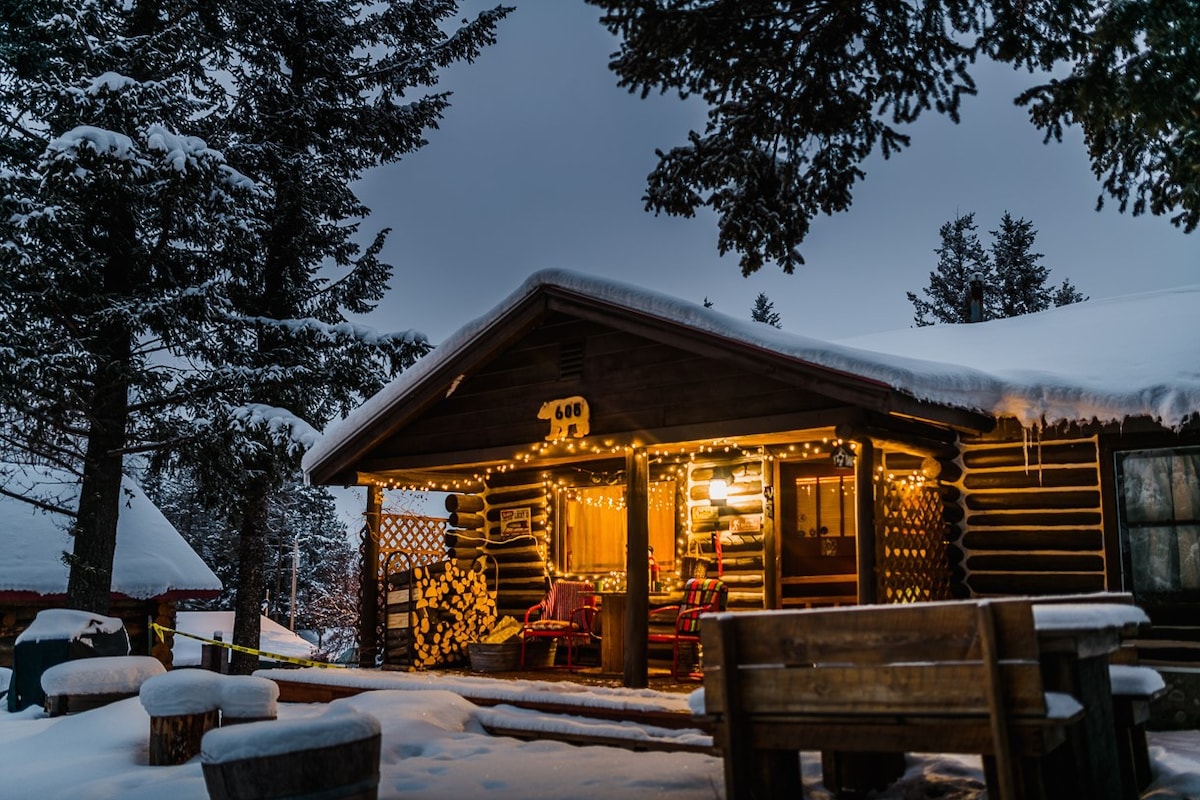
(88,683)
(335,755)
(246,698)
(183,706)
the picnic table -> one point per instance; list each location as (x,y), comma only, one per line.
(1069,755)
(1076,641)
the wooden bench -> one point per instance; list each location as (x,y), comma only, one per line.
(959,677)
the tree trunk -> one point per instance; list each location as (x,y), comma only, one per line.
(95,527)
(252,541)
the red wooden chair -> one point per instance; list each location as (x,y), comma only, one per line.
(565,613)
(700,595)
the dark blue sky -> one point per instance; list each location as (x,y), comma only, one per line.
(541,162)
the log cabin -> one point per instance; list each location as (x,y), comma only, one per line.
(153,567)
(583,419)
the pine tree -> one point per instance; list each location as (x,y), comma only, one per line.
(764,311)
(1014,280)
(304,520)
(111,213)
(799,95)
(1020,277)
(960,259)
(1066,294)
(314,110)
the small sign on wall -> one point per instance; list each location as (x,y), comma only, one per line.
(516,521)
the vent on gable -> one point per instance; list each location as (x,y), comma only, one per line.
(570,361)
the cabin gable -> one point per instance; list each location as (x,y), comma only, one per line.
(635,388)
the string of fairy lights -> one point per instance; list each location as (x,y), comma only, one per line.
(667,463)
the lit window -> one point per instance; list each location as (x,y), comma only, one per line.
(1159,510)
(825,506)
(592,528)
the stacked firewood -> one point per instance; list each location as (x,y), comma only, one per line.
(434,610)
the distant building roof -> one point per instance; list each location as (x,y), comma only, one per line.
(151,560)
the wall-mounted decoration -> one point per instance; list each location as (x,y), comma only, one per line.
(516,522)
(843,457)
(569,416)
(705,513)
(745,523)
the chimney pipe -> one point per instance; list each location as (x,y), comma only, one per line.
(975,299)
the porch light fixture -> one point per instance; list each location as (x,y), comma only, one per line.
(717,490)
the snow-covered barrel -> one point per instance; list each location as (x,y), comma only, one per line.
(88,683)
(334,755)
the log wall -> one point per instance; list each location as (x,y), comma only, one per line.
(516,564)
(1024,514)
(735,524)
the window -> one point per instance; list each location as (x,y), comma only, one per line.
(825,506)
(592,528)
(1158,496)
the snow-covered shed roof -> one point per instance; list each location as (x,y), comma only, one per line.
(151,560)
(1100,360)
(273,637)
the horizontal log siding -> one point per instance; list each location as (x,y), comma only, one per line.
(1026,516)
(742,561)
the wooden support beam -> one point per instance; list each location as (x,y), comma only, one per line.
(637,567)
(864,486)
(368,615)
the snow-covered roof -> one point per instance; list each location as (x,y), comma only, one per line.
(273,637)
(1101,360)
(151,560)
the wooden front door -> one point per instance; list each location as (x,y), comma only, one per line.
(818,535)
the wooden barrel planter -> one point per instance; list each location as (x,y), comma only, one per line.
(183,706)
(269,760)
(176,738)
(506,656)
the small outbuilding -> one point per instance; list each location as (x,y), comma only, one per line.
(153,567)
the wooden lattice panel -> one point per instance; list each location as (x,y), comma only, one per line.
(421,536)
(912,549)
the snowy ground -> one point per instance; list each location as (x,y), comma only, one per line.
(434,746)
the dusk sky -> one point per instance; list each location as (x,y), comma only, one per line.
(541,162)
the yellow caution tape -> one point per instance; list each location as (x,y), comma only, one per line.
(161,630)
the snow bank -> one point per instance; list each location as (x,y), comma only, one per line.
(478,688)
(101,675)
(67,624)
(339,725)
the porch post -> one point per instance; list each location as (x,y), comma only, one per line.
(864,486)
(368,612)
(637,567)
